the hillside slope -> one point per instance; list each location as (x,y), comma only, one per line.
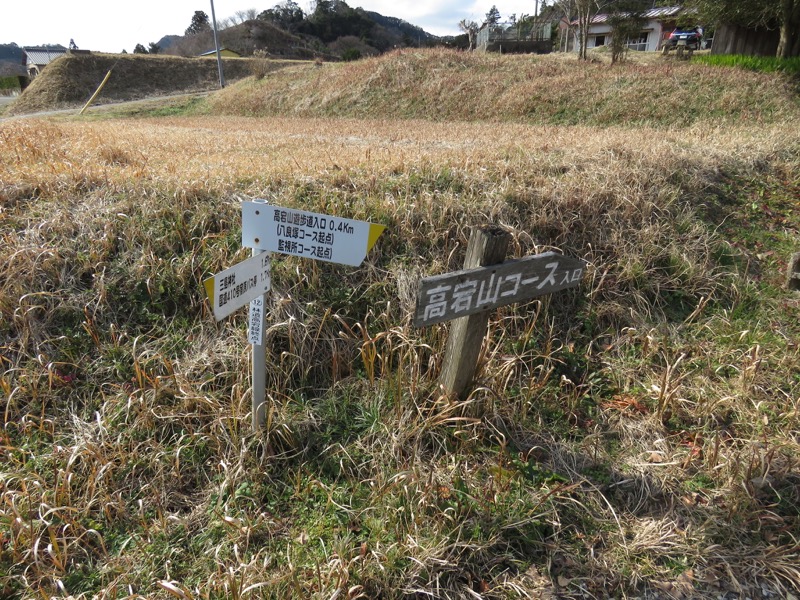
(247,38)
(443,84)
(72,80)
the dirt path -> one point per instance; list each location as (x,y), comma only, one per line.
(95,108)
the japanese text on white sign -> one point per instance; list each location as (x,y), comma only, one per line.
(306,234)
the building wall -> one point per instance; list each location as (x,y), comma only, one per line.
(653,29)
(732,39)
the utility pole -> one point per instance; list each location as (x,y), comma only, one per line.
(216,46)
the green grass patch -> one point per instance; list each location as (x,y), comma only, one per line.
(762,64)
(9,83)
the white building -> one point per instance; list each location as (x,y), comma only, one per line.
(39,57)
(660,23)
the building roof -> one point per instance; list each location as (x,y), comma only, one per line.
(44,55)
(662,12)
(213,52)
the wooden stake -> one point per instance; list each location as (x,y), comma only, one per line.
(96,93)
(487,246)
(793,273)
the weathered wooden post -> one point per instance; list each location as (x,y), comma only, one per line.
(485,283)
(487,246)
(793,273)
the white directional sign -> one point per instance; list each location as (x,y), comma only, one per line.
(461,293)
(237,286)
(307,234)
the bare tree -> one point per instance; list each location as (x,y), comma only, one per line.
(580,14)
(471,29)
(586,9)
(240,16)
(567,10)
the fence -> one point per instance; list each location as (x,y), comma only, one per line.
(527,37)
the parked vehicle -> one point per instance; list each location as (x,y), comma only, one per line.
(684,40)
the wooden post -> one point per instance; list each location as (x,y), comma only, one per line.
(793,273)
(96,93)
(487,246)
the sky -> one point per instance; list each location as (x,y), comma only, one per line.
(110,26)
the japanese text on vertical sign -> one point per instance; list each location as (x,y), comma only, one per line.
(256,321)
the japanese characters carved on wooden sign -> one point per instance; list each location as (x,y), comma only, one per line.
(462,293)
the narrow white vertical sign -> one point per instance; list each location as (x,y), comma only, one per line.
(258,353)
(256,328)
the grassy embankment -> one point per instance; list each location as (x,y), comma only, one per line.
(71,80)
(637,435)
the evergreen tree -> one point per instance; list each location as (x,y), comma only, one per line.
(199,23)
(154,48)
(493,16)
(285,15)
(139,49)
(324,7)
(627,21)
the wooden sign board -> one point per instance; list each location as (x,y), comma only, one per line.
(470,291)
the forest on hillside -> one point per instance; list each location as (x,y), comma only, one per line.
(332,29)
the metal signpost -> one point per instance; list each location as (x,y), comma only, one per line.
(265,229)
(486,283)
(258,359)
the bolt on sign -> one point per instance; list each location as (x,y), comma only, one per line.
(235,287)
(307,234)
(470,291)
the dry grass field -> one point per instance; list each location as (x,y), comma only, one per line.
(635,437)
